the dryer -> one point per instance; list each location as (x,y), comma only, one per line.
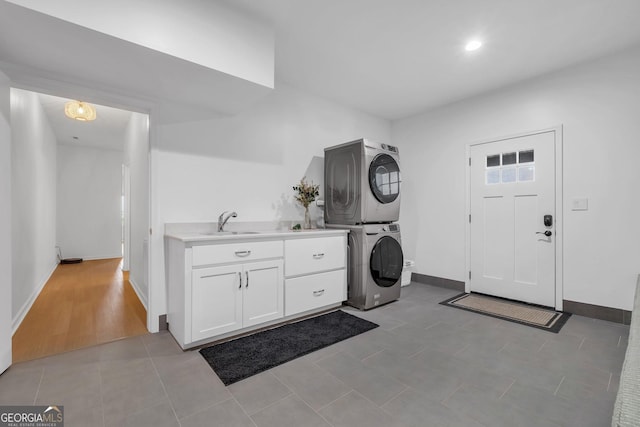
(362,183)
(375,262)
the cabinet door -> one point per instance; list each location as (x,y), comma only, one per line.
(263,292)
(216,301)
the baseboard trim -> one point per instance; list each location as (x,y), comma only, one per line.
(162,321)
(136,289)
(438,281)
(610,314)
(22,313)
(96,258)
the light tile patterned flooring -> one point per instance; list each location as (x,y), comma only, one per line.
(427,365)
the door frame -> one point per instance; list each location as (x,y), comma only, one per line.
(109,97)
(559,217)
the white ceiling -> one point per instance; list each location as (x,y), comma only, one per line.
(107,131)
(397,58)
(393,59)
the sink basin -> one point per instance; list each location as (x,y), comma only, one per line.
(228,233)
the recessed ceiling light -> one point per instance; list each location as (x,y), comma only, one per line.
(473,45)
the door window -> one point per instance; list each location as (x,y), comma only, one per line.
(386,262)
(384,178)
(507,168)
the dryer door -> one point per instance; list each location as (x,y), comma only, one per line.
(342,171)
(384,178)
(386,262)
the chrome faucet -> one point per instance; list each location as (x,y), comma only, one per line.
(222,219)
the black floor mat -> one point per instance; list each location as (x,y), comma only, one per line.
(241,358)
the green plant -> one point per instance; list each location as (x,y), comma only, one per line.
(307,193)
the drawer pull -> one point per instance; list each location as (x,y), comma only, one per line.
(318,293)
(317,256)
(243,253)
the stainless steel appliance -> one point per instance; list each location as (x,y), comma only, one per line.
(375,264)
(362,183)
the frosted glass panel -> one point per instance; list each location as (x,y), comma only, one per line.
(526,173)
(394,188)
(508,175)
(393,177)
(493,176)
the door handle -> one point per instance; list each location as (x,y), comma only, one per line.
(240,280)
(247,284)
(547,233)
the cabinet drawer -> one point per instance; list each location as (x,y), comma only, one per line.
(305,256)
(314,291)
(233,252)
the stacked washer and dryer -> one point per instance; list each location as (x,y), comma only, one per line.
(362,194)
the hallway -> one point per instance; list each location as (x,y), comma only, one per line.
(81,305)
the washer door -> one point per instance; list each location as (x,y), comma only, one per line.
(386,262)
(384,178)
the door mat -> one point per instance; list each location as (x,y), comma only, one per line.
(236,360)
(513,311)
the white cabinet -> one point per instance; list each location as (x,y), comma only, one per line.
(315,270)
(262,295)
(220,288)
(316,290)
(313,255)
(231,297)
(216,301)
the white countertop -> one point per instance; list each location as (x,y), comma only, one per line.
(195,236)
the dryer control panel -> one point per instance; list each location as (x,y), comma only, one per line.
(389,148)
(391,227)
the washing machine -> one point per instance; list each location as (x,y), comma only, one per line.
(362,183)
(375,262)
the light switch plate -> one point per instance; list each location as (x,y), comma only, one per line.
(580,204)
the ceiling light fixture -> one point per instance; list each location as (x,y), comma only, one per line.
(473,45)
(79,110)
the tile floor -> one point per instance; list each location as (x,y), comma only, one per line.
(427,365)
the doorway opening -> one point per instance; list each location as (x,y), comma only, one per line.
(87,194)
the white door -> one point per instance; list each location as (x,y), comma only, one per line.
(216,301)
(262,298)
(5,225)
(512,189)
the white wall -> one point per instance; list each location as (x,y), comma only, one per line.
(136,156)
(88,202)
(204,32)
(247,163)
(33,160)
(5,224)
(597,104)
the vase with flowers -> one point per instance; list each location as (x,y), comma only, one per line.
(305,194)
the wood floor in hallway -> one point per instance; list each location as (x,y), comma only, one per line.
(81,305)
